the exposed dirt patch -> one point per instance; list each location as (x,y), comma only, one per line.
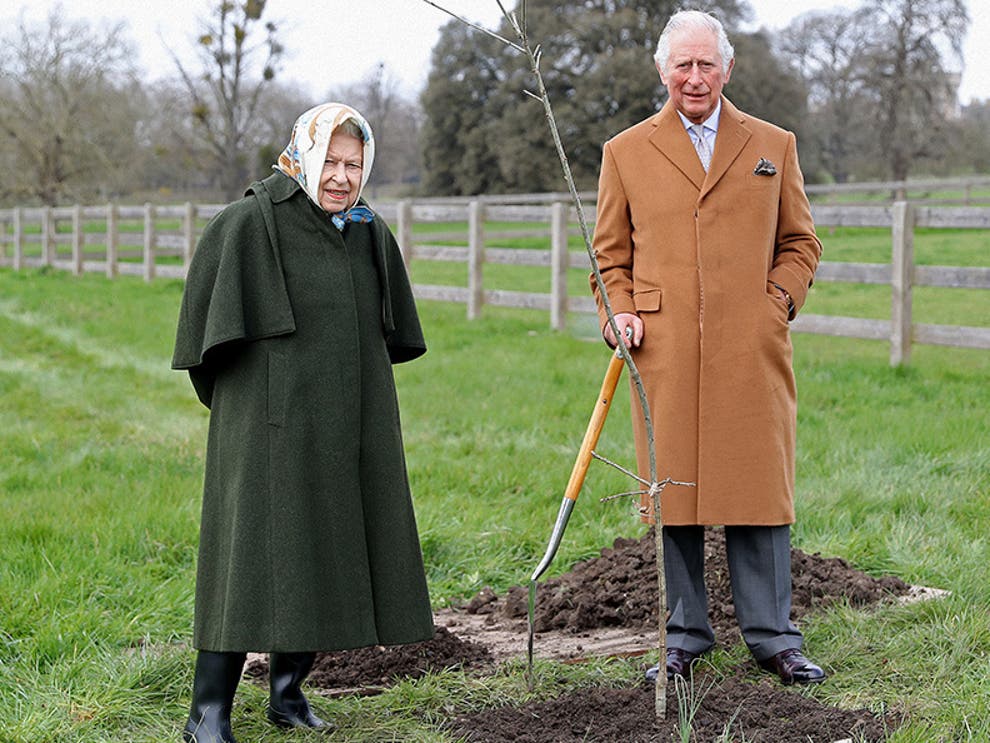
(608,606)
(366,670)
(619,589)
(756,713)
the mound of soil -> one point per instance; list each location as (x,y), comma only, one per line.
(756,713)
(366,668)
(619,588)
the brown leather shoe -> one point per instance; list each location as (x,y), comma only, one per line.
(793,667)
(678,664)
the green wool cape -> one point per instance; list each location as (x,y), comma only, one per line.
(288,329)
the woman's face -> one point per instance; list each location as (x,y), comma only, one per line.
(341,178)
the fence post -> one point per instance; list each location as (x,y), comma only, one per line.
(77,241)
(188,234)
(149,241)
(18,239)
(403,226)
(476,259)
(47,237)
(112,241)
(558,265)
(902,273)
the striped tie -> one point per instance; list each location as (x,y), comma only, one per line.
(701,145)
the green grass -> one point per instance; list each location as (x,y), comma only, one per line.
(976,196)
(932,246)
(101,468)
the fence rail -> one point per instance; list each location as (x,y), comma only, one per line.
(974,190)
(134,241)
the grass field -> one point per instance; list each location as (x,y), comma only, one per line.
(101,458)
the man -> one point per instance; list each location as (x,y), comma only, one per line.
(707,249)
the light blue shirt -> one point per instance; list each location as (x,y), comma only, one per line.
(710,127)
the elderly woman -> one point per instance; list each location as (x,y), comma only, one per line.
(296,305)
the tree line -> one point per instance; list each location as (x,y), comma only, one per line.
(870,92)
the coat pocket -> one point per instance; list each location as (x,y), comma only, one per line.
(647,300)
(276,389)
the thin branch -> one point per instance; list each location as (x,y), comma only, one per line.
(475,26)
(617,496)
(586,236)
(621,469)
(655,488)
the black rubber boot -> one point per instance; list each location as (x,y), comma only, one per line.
(217,676)
(287,707)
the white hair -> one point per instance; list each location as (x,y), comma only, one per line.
(693,19)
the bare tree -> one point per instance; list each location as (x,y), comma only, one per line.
(279,107)
(654,487)
(916,94)
(827,47)
(882,93)
(69,109)
(226,95)
(173,156)
(972,146)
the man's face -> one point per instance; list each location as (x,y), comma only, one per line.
(341,178)
(694,76)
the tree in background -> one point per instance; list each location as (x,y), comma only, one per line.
(278,109)
(227,95)
(882,93)
(767,86)
(826,48)
(459,104)
(70,105)
(173,155)
(479,134)
(598,70)
(915,92)
(176,161)
(971,144)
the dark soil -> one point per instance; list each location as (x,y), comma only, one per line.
(383,665)
(619,588)
(759,713)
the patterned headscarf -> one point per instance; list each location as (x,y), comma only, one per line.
(303,158)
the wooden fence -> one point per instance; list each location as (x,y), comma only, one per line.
(133,241)
(902,275)
(969,191)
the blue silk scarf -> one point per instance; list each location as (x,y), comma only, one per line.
(360,214)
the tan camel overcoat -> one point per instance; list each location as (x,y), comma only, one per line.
(692,253)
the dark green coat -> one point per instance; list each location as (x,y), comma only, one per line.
(288,329)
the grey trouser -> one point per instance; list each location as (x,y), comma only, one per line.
(759,560)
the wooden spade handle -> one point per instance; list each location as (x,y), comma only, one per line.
(594,427)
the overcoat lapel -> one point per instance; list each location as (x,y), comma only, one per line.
(670,137)
(732,137)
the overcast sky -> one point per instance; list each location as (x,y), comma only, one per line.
(340,41)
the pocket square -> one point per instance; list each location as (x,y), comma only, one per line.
(764,167)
